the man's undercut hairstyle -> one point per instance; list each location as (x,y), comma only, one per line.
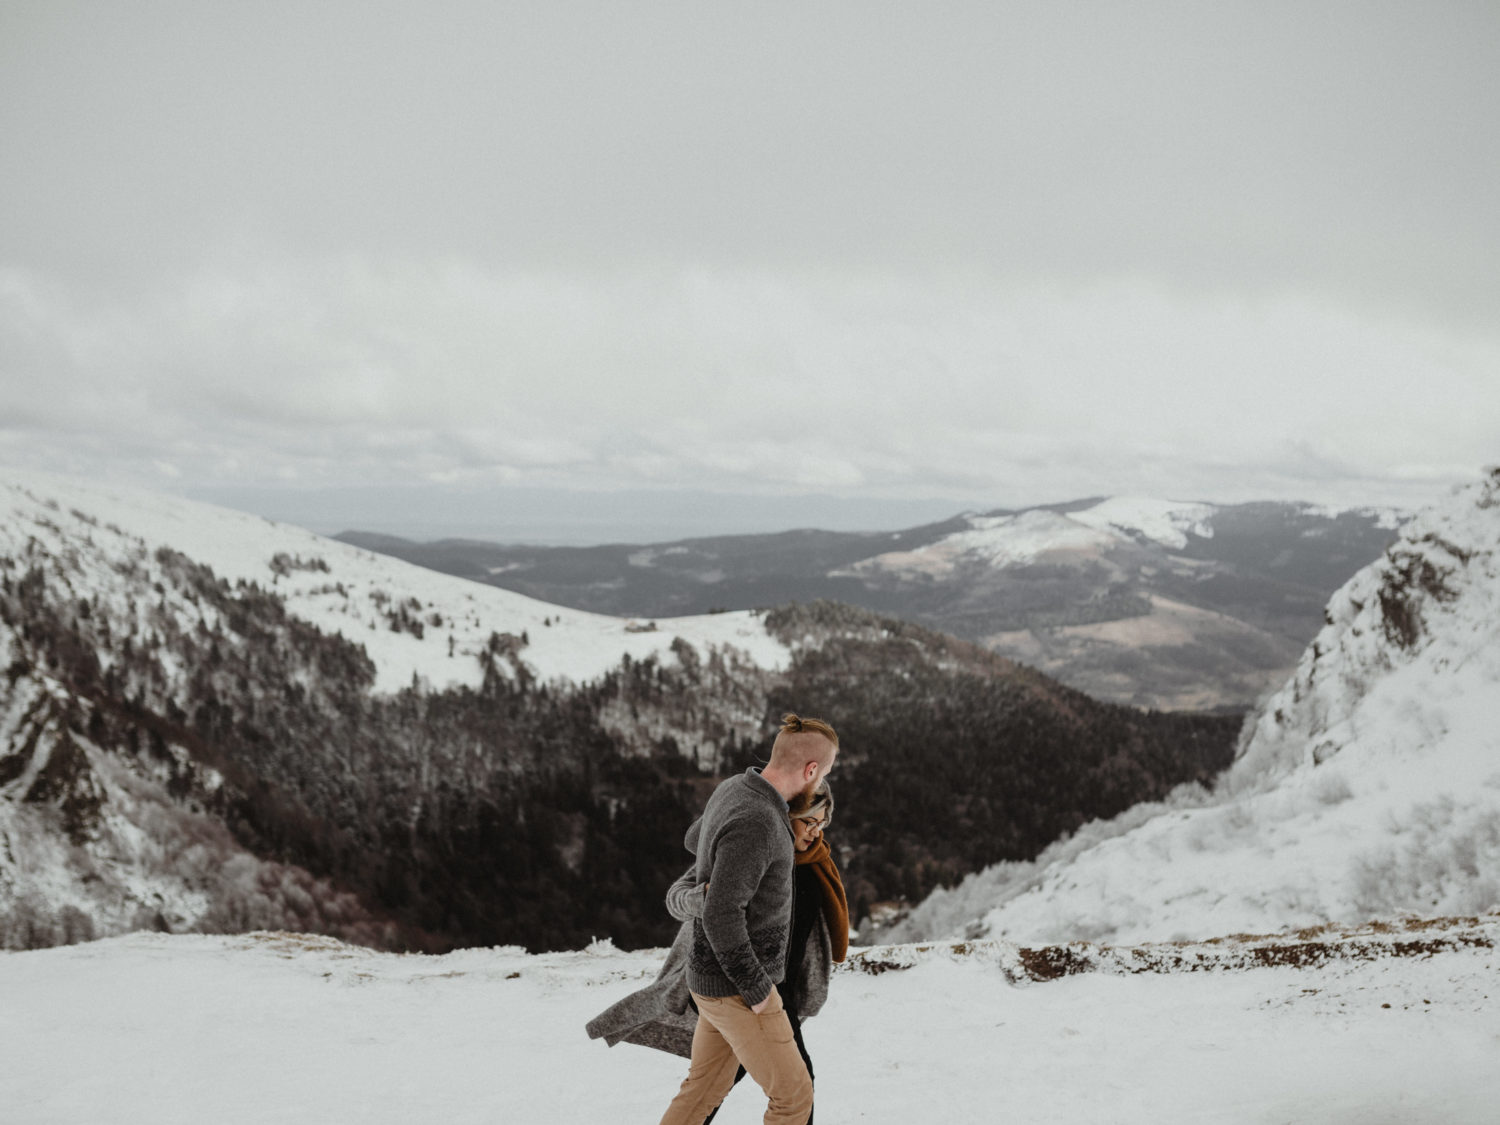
(801,741)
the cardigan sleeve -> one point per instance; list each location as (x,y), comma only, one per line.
(685,897)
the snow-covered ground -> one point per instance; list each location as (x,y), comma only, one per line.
(183,1030)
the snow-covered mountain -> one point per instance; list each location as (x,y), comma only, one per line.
(212,722)
(411,622)
(94,840)
(1369,785)
(1168,604)
(1158,603)
(1043,534)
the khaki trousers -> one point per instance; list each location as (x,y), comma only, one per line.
(730,1035)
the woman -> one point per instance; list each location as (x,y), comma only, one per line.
(661,1014)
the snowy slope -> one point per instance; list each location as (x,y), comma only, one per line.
(1167,522)
(100,836)
(1368,786)
(184,1030)
(92,844)
(342,589)
(998,541)
(1035,534)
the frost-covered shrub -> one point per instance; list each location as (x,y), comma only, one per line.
(1330,788)
(76,926)
(1446,861)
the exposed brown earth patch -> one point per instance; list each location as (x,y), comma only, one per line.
(1311,947)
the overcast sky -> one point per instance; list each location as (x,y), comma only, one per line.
(723,258)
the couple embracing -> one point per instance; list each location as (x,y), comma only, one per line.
(764,916)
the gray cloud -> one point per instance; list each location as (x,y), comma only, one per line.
(874,250)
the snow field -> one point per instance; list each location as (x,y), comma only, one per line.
(180,1030)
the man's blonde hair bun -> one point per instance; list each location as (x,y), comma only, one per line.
(793,723)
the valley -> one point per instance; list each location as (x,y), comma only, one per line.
(1151,603)
(214,723)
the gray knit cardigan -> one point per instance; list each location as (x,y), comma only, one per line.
(660,1015)
(744,854)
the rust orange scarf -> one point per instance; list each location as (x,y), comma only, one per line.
(835,903)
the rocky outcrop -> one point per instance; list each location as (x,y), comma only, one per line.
(1426,602)
(66,781)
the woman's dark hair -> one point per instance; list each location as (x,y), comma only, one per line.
(804,803)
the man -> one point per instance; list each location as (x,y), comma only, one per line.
(744,862)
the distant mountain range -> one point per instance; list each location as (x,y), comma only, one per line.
(1367,787)
(1155,603)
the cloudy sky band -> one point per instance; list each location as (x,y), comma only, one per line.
(1000,253)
